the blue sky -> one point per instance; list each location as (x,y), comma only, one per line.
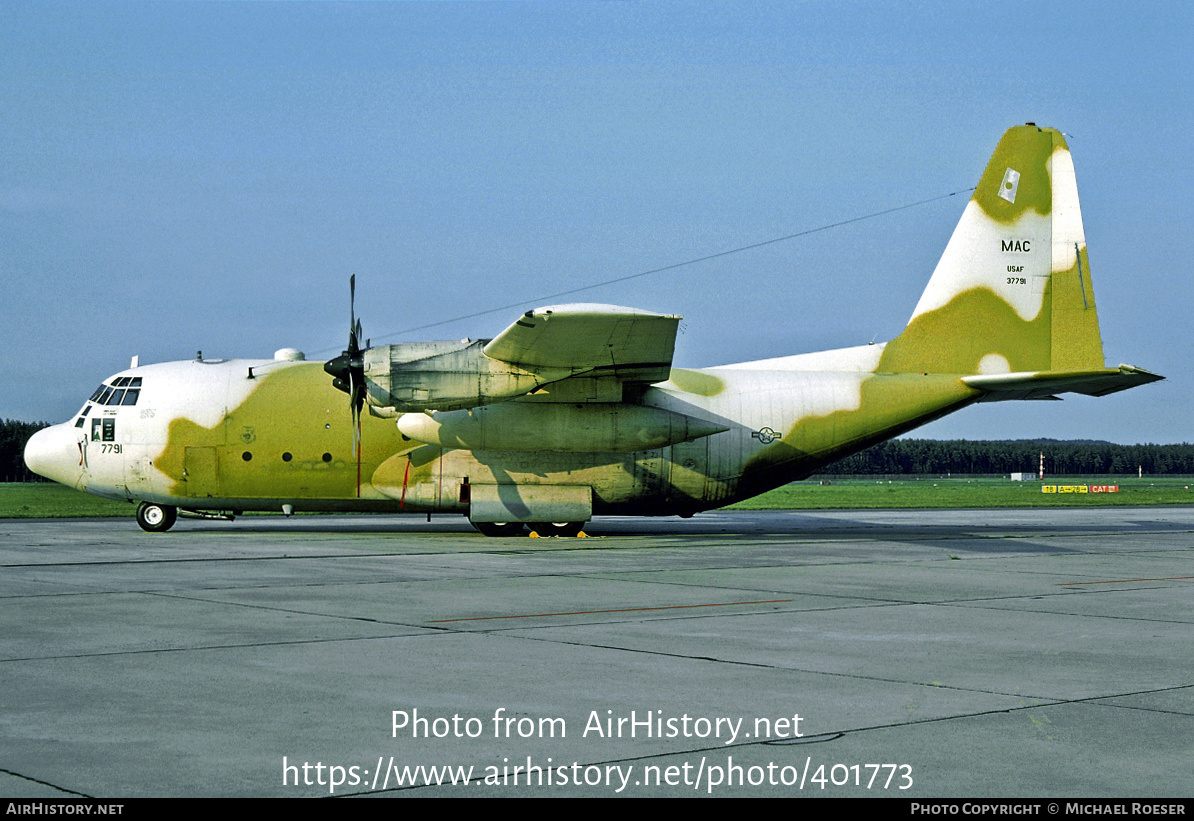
(193,176)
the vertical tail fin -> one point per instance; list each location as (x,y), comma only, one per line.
(1012,292)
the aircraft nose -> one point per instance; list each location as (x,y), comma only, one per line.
(53,452)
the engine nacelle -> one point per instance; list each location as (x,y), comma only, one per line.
(419,376)
(596,427)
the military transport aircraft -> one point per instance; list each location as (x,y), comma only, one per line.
(575,410)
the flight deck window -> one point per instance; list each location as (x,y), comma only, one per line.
(123,391)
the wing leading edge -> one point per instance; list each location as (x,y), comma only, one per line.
(631,344)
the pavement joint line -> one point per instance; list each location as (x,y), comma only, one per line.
(33,780)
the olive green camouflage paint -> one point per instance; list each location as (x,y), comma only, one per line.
(1027,149)
(291,410)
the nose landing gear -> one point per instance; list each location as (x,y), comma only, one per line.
(156,518)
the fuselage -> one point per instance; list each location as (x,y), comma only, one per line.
(234,435)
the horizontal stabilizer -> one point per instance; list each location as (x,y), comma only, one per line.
(1044,384)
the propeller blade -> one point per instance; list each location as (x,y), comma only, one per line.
(354,325)
(348,369)
(348,374)
(356,403)
(356,433)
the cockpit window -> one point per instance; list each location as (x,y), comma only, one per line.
(124,390)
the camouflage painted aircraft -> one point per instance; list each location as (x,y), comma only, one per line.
(575,410)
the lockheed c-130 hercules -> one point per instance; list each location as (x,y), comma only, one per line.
(575,410)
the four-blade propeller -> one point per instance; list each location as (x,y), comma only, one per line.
(348,372)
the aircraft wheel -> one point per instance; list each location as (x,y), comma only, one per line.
(568,529)
(499,528)
(156,518)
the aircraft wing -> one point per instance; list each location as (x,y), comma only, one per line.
(1044,384)
(625,342)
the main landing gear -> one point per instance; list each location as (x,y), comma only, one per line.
(566,529)
(156,518)
(499,528)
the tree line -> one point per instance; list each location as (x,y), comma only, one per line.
(1084,458)
(897,456)
(13,436)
